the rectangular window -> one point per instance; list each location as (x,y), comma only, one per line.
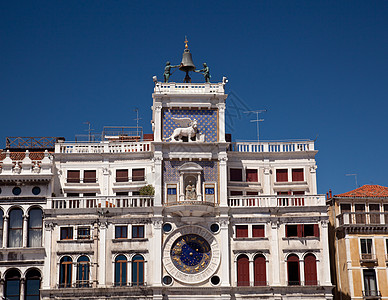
(90,176)
(241,231)
(137,231)
(252,175)
(281,175)
(83,233)
(235,174)
(308,230)
(171,191)
(366,246)
(236,193)
(73,176)
(291,230)
(121,193)
(297,175)
(66,233)
(138,175)
(374,213)
(345,208)
(258,231)
(121,232)
(122,175)
(370,284)
(386,213)
(360,213)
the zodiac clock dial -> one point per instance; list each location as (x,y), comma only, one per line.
(190,253)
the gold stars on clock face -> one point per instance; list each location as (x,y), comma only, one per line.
(190,253)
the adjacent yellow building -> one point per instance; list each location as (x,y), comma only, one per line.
(358,235)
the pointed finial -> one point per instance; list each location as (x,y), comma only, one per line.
(186,41)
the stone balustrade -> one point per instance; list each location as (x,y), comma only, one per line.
(102,147)
(188,88)
(276,201)
(272,146)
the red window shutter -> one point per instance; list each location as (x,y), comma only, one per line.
(316,230)
(90,176)
(252,175)
(241,231)
(258,231)
(297,175)
(300,230)
(310,270)
(137,174)
(260,271)
(121,175)
(73,176)
(281,175)
(235,174)
(243,271)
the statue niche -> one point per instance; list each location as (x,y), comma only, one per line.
(190,182)
(190,188)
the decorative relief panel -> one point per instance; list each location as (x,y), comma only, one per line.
(206,121)
(171,173)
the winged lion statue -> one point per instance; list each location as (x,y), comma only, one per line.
(187,128)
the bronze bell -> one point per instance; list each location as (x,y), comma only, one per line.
(187,64)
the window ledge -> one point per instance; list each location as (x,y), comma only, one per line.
(290,182)
(75,241)
(130,240)
(301,238)
(250,239)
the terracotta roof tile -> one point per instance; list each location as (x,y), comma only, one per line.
(367,190)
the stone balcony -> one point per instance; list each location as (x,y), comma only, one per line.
(189,88)
(272,146)
(362,219)
(277,201)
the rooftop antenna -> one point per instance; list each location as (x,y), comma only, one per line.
(355,177)
(257,120)
(137,121)
(89,130)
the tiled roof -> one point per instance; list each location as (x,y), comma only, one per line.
(21,155)
(367,190)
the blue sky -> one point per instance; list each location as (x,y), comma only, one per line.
(318,67)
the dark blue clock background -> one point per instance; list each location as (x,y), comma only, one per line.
(191,253)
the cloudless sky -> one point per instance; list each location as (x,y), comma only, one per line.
(318,67)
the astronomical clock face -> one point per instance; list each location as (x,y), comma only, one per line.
(191,254)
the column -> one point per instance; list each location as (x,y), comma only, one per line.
(158,158)
(199,188)
(101,259)
(301,272)
(22,287)
(158,122)
(223,188)
(325,270)
(221,122)
(251,273)
(225,250)
(156,252)
(5,231)
(47,244)
(275,253)
(1,288)
(25,230)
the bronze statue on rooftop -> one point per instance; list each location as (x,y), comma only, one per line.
(205,71)
(167,71)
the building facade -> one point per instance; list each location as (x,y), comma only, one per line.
(226,220)
(359,242)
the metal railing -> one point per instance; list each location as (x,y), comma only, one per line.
(100,202)
(369,294)
(276,201)
(368,257)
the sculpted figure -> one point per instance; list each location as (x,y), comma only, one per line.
(205,71)
(190,192)
(167,71)
(180,132)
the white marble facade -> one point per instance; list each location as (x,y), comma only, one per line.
(227,220)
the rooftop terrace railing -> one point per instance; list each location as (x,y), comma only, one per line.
(272,146)
(188,88)
(102,147)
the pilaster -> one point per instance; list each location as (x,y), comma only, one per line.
(224,247)
(223,188)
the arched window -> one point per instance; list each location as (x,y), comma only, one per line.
(65,272)
(1,227)
(12,285)
(310,269)
(35,228)
(120,270)
(83,266)
(15,228)
(260,270)
(33,279)
(242,270)
(293,270)
(138,270)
